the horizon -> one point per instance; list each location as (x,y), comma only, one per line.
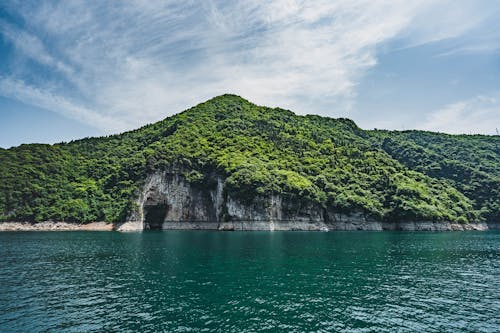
(87,69)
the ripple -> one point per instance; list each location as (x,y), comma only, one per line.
(232,282)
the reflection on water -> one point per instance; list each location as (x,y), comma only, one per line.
(247,281)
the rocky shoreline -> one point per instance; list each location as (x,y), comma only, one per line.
(252,226)
(288,225)
(55,226)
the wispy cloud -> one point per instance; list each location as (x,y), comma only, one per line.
(29,45)
(478,115)
(45,99)
(118,65)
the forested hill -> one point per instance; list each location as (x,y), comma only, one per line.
(259,151)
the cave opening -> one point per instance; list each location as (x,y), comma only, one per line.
(154,216)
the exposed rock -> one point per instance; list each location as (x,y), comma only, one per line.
(55,226)
(129,226)
(169,201)
(168,197)
(434,226)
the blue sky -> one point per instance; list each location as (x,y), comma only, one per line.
(72,69)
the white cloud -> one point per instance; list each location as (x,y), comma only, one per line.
(478,115)
(134,62)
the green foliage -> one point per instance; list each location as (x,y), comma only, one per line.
(260,151)
(470,163)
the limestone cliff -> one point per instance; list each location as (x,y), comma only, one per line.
(169,201)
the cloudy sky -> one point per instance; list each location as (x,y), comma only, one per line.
(71,69)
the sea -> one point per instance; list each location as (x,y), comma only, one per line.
(212,281)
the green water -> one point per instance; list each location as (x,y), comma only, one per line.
(197,281)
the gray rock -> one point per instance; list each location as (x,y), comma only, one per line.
(168,201)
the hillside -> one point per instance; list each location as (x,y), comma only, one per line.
(256,153)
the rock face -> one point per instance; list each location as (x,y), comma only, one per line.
(169,201)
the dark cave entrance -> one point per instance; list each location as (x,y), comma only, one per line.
(154,215)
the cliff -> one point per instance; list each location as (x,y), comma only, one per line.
(168,201)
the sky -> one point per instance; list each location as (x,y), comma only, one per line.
(71,69)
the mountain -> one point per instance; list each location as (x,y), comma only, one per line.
(228,160)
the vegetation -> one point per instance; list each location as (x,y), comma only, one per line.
(260,151)
(469,163)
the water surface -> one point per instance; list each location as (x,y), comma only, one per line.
(201,281)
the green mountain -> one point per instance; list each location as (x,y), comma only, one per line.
(258,152)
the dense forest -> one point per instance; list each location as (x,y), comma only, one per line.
(390,176)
